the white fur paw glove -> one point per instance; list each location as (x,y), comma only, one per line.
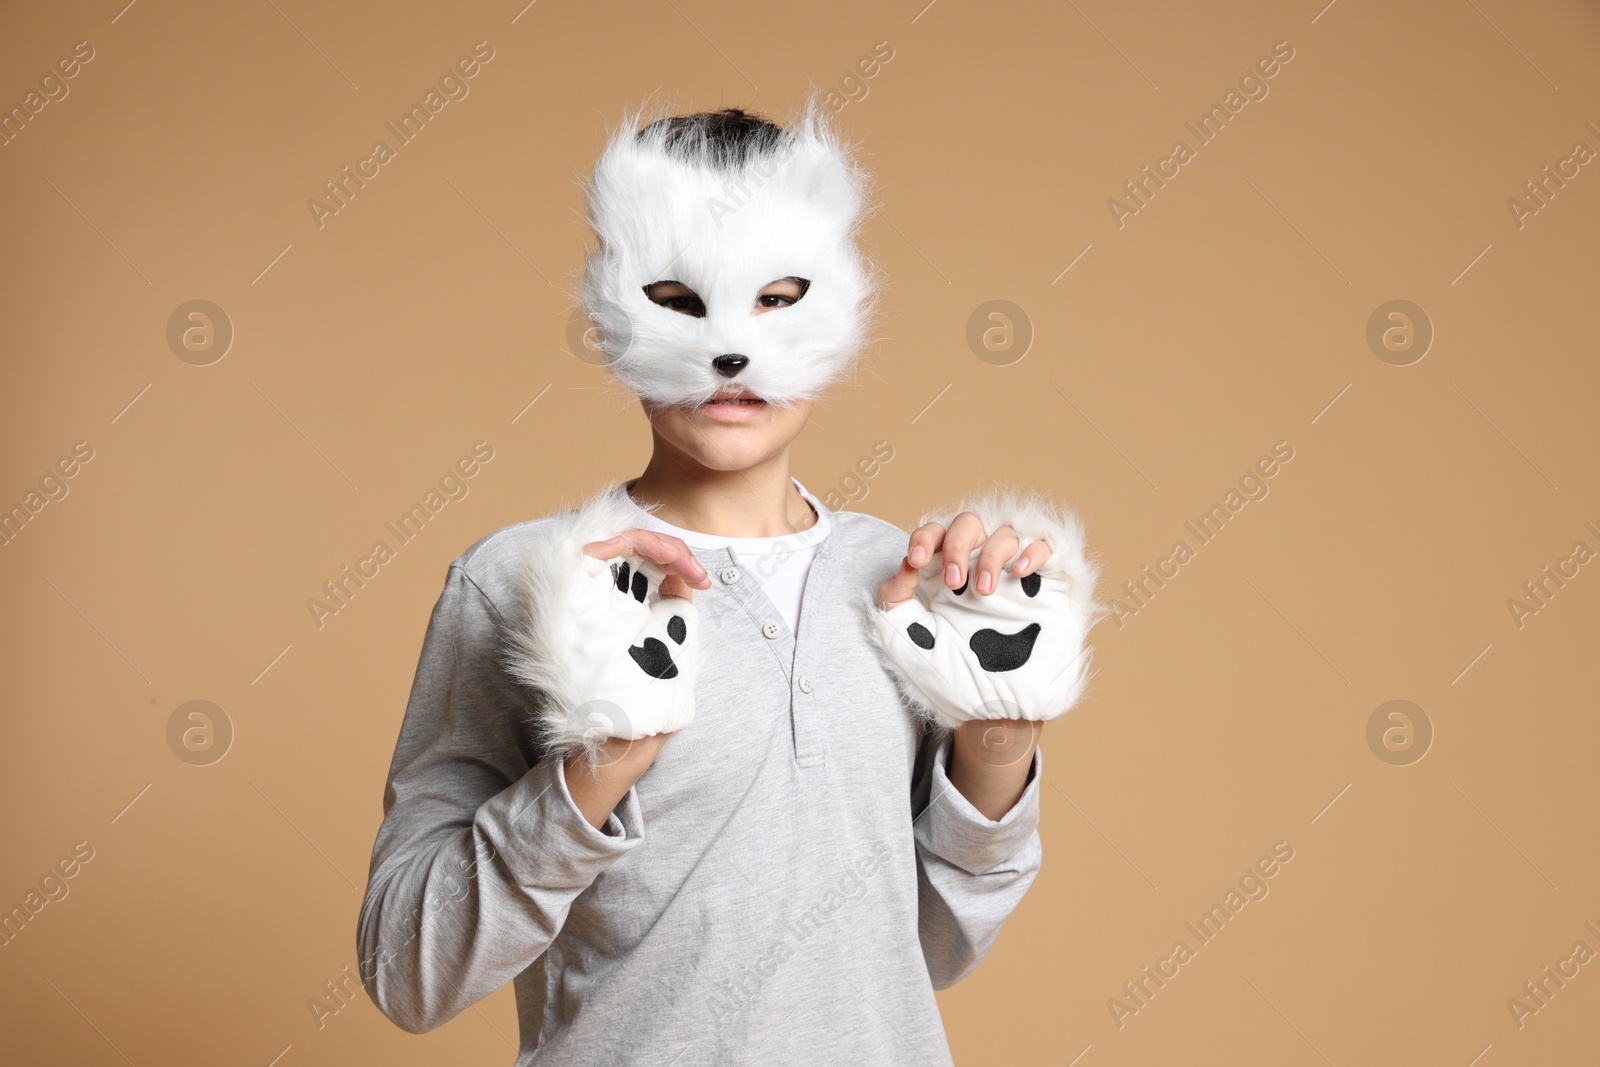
(611,657)
(1017,653)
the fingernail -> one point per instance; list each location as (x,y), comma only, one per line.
(612,540)
(1021,565)
(952,575)
(985,581)
(919,556)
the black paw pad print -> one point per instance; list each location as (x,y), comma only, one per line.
(997,652)
(654,656)
(619,571)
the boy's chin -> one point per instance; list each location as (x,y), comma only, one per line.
(735,450)
(722,440)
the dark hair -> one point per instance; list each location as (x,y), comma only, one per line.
(725,139)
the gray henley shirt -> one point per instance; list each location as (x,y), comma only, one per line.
(788,883)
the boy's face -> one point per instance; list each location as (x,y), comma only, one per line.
(735,429)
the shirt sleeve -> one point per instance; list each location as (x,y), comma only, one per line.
(480,854)
(971,871)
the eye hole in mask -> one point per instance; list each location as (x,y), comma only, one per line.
(675,296)
(785,292)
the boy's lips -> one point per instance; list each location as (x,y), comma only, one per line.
(733,405)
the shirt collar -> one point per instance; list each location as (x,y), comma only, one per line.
(819,533)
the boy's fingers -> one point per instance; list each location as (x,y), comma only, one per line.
(965,534)
(1032,558)
(898,590)
(664,550)
(925,541)
(604,549)
(675,588)
(996,550)
(621,545)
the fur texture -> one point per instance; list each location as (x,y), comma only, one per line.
(726,231)
(585,642)
(1018,653)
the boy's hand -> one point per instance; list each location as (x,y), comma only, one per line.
(665,551)
(599,775)
(970,637)
(611,641)
(957,544)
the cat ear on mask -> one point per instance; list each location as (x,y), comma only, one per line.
(829,172)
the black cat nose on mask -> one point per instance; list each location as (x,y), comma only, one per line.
(726,225)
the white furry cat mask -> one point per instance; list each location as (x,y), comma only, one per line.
(726,217)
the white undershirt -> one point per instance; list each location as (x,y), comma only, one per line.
(780,564)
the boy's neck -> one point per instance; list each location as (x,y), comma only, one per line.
(757,501)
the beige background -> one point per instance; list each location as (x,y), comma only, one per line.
(1228,314)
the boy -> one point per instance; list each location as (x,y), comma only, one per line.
(850,813)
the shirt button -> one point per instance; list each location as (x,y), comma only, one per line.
(805,685)
(770,629)
(730,575)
